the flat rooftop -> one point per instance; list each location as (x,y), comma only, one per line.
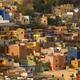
(8,24)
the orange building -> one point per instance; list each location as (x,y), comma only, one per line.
(78,77)
(59,61)
(13,50)
(18,33)
(18,50)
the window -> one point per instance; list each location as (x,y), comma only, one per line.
(27,20)
(0,28)
(1,61)
(21,32)
(17,34)
(9,60)
(5,37)
(7,49)
(2,37)
(66,58)
(75,63)
(44,21)
(56,60)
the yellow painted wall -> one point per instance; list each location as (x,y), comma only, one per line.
(74,63)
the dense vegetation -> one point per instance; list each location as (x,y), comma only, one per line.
(44,6)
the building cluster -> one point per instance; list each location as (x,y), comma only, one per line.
(55,46)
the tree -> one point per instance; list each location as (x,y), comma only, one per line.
(25,9)
(44,5)
(38,5)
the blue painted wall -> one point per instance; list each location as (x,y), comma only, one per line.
(72,53)
(4,14)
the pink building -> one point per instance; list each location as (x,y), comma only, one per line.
(57,60)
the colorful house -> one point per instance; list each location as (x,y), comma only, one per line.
(6,60)
(72,53)
(74,63)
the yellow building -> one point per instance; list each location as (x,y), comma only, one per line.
(2,61)
(18,33)
(60,29)
(7,33)
(43,20)
(74,63)
(1,4)
(62,9)
(5,29)
(31,44)
(6,62)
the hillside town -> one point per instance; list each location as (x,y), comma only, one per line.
(39,43)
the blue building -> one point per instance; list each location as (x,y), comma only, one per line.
(72,53)
(78,54)
(4,14)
